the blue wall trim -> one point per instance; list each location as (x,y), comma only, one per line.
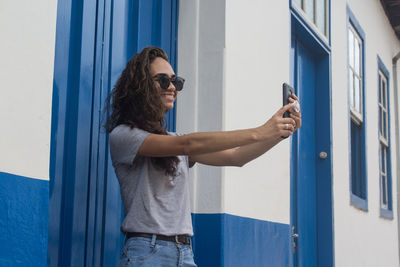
(24,206)
(357,26)
(228,240)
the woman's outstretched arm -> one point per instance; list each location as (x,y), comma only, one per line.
(241,155)
(208,142)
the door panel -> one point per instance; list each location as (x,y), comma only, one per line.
(311,193)
(95,39)
(306,178)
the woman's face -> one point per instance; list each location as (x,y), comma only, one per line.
(161,66)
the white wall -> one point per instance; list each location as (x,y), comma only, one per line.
(26,80)
(201,41)
(362,238)
(254,52)
(229,89)
(257,63)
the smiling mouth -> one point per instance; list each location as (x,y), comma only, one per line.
(171,95)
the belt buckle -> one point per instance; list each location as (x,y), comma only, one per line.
(177,240)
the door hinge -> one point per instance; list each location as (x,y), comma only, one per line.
(295,236)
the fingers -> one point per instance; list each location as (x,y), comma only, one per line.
(285,108)
(294,97)
(288,121)
(296,105)
(297,119)
(292,106)
(286,127)
(295,113)
(286,132)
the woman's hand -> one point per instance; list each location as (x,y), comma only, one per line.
(295,112)
(277,126)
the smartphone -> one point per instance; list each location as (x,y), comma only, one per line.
(287,91)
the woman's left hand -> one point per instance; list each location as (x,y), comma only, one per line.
(295,112)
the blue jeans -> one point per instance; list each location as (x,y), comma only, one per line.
(142,251)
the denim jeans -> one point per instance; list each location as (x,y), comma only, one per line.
(142,251)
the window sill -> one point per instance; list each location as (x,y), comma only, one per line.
(356,117)
(386,214)
(358,202)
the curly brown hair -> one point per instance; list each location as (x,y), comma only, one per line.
(135,101)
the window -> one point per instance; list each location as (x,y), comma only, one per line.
(317,12)
(385,180)
(355,76)
(358,179)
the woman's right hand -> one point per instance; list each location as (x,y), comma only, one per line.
(277,126)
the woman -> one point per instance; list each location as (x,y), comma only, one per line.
(152,164)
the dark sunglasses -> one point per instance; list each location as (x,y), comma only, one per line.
(164,80)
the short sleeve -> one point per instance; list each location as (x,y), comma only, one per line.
(125,143)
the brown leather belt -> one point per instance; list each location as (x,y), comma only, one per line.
(179,239)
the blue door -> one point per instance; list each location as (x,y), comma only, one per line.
(312,223)
(94,41)
(305,224)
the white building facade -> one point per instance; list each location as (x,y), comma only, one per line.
(328,196)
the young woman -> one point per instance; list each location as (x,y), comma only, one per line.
(152,164)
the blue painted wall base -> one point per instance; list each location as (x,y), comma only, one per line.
(24,204)
(220,239)
(228,240)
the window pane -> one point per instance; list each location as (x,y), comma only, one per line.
(380,121)
(384,191)
(316,11)
(384,137)
(384,176)
(357,181)
(384,93)
(351,48)
(380,89)
(309,9)
(383,159)
(321,15)
(357,95)
(357,63)
(351,88)
(384,124)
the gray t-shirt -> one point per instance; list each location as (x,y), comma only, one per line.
(153,202)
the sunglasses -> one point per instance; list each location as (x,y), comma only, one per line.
(164,80)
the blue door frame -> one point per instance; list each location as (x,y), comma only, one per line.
(311,175)
(94,40)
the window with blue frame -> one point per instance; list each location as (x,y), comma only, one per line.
(385,179)
(358,174)
(317,11)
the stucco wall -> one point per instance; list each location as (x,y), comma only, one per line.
(255,62)
(26,81)
(228,48)
(26,84)
(362,238)
(201,42)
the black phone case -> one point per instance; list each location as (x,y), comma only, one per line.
(287,91)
